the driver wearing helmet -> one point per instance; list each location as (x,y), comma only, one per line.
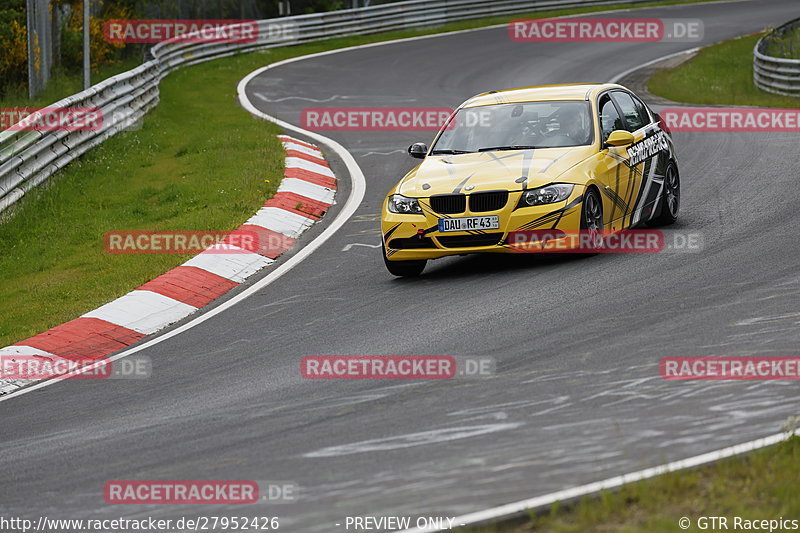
(571,125)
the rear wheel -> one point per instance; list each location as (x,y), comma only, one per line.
(403,269)
(670,198)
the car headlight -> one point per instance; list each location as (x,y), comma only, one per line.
(549,194)
(403,205)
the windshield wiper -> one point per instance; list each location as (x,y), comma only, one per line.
(512,147)
(451,152)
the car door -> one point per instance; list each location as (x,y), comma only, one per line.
(645,157)
(613,170)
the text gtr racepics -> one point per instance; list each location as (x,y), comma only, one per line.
(587,158)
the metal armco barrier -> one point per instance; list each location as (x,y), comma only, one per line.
(776,74)
(28,158)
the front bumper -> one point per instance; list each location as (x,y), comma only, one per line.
(414,237)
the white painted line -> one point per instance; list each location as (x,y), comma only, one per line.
(280,220)
(356,194)
(288,138)
(314,152)
(624,73)
(8,384)
(295,140)
(233,266)
(358,188)
(296,162)
(307,189)
(611,483)
(347,247)
(142,311)
(22,350)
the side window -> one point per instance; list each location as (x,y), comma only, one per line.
(609,117)
(644,112)
(633,117)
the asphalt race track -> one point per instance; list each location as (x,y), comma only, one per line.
(577,396)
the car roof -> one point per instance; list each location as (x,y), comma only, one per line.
(540,93)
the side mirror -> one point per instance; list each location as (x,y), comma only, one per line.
(619,138)
(418,150)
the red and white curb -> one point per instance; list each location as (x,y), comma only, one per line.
(304,195)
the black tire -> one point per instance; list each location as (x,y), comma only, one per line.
(670,198)
(592,217)
(403,269)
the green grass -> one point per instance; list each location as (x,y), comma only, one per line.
(719,74)
(786,46)
(199,163)
(758,485)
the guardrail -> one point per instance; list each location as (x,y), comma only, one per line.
(28,158)
(777,75)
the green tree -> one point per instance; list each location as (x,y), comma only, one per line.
(13,45)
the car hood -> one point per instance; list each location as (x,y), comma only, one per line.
(486,171)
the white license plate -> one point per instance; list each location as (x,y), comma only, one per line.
(469,223)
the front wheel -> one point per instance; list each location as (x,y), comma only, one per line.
(670,198)
(592,218)
(403,269)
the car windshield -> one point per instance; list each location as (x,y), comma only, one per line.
(516,127)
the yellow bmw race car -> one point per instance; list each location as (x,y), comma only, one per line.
(584,157)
